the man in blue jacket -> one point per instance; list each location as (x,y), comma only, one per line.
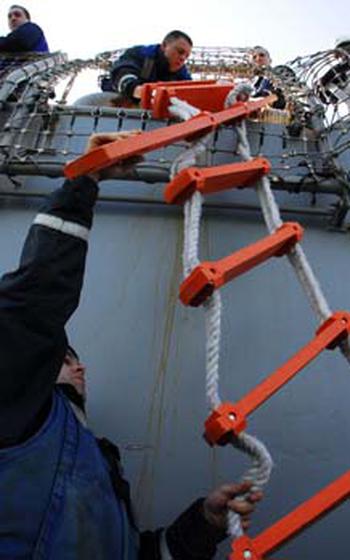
(262,84)
(150,63)
(63,496)
(25,36)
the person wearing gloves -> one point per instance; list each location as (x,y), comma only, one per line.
(63,495)
(162,62)
(24,36)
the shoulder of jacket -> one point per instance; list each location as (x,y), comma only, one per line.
(150,50)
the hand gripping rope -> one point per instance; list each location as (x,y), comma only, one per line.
(227,421)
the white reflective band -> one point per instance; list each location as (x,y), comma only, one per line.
(124,80)
(70,228)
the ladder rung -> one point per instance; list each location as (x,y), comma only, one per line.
(118,151)
(290,525)
(213,179)
(148,90)
(210,275)
(204,96)
(228,419)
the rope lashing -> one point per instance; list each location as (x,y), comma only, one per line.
(259,472)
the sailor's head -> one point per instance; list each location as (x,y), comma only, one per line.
(260,56)
(72,372)
(17,16)
(343,42)
(176,47)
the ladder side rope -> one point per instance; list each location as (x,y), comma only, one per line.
(259,472)
(192,213)
(296,256)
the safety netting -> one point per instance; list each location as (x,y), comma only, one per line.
(307,143)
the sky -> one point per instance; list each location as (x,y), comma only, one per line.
(288,28)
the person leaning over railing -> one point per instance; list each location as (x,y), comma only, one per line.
(162,62)
(24,36)
(262,84)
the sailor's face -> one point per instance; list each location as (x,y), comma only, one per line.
(177,52)
(73,373)
(260,58)
(16,17)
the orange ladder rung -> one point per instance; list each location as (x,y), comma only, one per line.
(204,96)
(210,275)
(230,419)
(118,151)
(246,548)
(149,90)
(213,179)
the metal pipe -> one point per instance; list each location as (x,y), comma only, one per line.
(233,206)
(149,173)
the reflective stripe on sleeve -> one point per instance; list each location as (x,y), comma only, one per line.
(124,80)
(70,228)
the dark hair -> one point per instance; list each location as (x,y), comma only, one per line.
(262,49)
(70,350)
(176,34)
(24,10)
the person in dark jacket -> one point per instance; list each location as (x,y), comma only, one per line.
(262,84)
(152,63)
(62,492)
(25,36)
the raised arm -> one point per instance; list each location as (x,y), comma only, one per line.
(38,298)
(36,301)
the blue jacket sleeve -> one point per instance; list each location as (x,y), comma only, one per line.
(184,74)
(126,72)
(36,301)
(22,39)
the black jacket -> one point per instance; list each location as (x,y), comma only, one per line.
(28,37)
(36,301)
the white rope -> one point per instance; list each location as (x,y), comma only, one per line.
(193,212)
(182,109)
(296,256)
(212,308)
(259,473)
(260,470)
